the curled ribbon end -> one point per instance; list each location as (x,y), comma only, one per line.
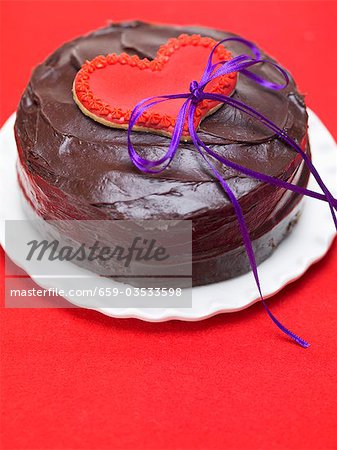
(299,341)
(293,336)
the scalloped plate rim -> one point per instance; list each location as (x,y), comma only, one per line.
(214,306)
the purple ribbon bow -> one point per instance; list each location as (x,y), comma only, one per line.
(240,64)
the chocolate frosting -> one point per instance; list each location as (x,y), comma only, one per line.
(89,163)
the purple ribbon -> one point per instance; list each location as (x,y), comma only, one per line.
(196,94)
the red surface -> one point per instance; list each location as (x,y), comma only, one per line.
(74,379)
(108,88)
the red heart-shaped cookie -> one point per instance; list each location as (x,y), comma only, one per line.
(109,87)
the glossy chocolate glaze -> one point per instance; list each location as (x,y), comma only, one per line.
(73,167)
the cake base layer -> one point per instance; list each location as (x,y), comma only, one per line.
(227,265)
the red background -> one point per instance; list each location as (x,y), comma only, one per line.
(74,379)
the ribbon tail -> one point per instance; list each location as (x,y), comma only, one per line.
(287,139)
(243,228)
(268,179)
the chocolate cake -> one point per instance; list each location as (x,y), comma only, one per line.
(71,167)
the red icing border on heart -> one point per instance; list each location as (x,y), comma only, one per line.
(109,115)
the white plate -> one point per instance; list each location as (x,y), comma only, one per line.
(308,242)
